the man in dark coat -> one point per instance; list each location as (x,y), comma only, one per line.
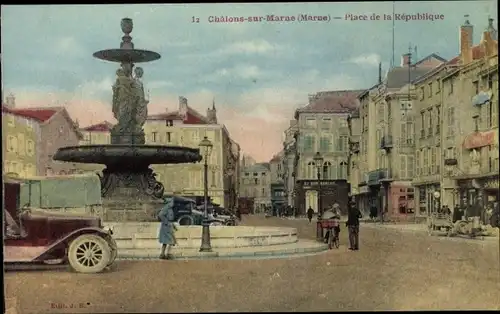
(457,213)
(167,230)
(373,212)
(352,223)
(310,213)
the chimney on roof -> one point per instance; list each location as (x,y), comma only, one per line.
(466,31)
(380,72)
(183,106)
(405,59)
(10,101)
(488,39)
(491,29)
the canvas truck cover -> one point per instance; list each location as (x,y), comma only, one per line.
(68,191)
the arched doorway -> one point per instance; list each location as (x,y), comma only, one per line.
(312,200)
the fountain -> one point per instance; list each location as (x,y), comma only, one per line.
(128,185)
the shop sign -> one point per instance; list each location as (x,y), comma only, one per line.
(492,184)
(322,183)
(479,139)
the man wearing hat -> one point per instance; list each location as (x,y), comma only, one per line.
(353,225)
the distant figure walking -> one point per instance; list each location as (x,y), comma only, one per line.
(352,224)
(373,212)
(310,213)
(167,230)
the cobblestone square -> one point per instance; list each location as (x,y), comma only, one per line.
(394,270)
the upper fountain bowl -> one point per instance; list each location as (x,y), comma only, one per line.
(127,55)
(128,154)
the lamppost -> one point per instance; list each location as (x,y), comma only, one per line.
(206,149)
(318,161)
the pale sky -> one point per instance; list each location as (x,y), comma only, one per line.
(259,73)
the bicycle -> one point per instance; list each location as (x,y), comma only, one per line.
(333,237)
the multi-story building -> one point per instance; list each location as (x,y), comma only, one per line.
(470,123)
(387,138)
(234,179)
(187,127)
(277,186)
(20,141)
(322,128)
(57,130)
(354,174)
(289,150)
(96,134)
(256,184)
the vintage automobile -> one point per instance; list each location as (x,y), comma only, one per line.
(34,236)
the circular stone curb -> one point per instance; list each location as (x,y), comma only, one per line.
(228,255)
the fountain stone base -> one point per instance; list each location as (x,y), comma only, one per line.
(130,210)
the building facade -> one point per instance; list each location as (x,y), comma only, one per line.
(256,184)
(470,124)
(277,185)
(322,126)
(57,130)
(21,137)
(289,151)
(187,127)
(354,173)
(387,142)
(96,134)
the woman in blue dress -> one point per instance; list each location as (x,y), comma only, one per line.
(167,229)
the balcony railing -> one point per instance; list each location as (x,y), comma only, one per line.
(422,133)
(386,142)
(429,133)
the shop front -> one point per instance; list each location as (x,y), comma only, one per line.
(478,189)
(362,198)
(479,195)
(328,192)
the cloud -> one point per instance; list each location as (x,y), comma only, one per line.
(158,84)
(258,72)
(370,60)
(259,46)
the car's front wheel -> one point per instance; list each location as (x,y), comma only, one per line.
(89,253)
(114,251)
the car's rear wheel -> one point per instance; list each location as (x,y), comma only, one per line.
(89,253)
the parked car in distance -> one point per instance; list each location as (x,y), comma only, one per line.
(44,237)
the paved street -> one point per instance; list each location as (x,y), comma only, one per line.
(394,270)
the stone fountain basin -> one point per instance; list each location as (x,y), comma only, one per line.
(131,235)
(128,154)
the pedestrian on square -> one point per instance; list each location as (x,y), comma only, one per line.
(167,229)
(373,211)
(310,213)
(457,213)
(352,224)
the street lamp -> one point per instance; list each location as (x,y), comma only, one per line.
(206,149)
(318,161)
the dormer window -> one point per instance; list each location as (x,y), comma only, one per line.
(169,123)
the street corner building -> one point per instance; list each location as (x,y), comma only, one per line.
(427,134)
(187,127)
(321,128)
